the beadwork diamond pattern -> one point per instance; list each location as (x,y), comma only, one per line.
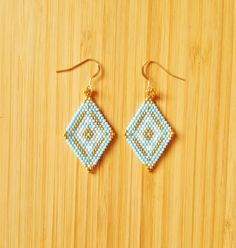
(88,134)
(149,133)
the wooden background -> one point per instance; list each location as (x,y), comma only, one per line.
(47,198)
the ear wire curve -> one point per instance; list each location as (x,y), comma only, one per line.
(148,63)
(99,66)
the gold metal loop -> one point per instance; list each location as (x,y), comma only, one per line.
(148,63)
(81,63)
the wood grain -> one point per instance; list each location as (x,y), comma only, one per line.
(47,198)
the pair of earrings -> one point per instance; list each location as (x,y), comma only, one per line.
(89,134)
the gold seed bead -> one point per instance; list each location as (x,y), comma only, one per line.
(88,92)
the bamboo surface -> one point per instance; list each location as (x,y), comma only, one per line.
(48,199)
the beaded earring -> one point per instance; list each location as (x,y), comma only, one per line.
(149,133)
(88,133)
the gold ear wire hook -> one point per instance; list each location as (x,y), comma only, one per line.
(148,63)
(81,63)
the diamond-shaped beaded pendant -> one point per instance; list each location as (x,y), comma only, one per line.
(88,133)
(149,133)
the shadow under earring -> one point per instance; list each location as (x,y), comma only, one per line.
(149,133)
(88,133)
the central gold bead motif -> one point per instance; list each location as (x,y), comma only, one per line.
(148,133)
(88,134)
